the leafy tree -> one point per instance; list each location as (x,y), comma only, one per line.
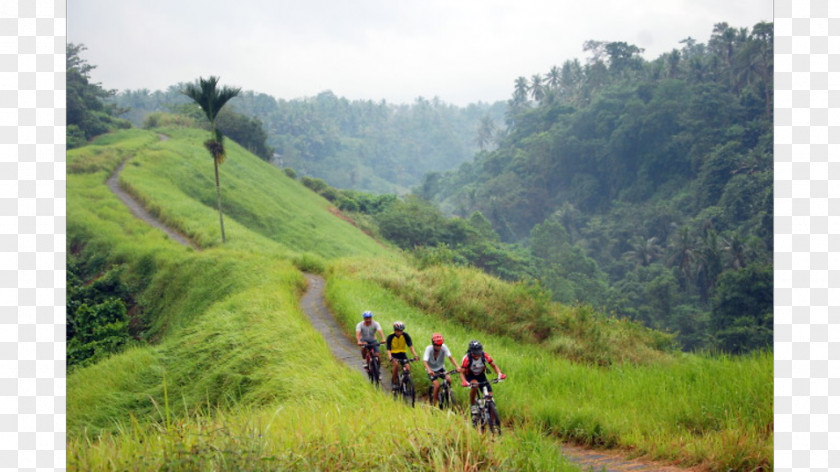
(754,63)
(683,255)
(566,270)
(629,155)
(485,133)
(97,314)
(742,313)
(247,131)
(87,114)
(211,100)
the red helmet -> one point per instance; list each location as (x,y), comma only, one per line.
(437,338)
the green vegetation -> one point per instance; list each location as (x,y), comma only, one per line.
(711,410)
(183,358)
(87,113)
(641,187)
(224,371)
(362,145)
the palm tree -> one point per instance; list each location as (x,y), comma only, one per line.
(673,59)
(537,89)
(520,91)
(644,250)
(553,77)
(211,100)
(754,62)
(709,263)
(684,254)
(486,131)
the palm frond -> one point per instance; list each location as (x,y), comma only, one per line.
(208,97)
(224,95)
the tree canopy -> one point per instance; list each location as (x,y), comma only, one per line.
(644,187)
(88,115)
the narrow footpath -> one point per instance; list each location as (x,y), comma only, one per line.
(345,350)
(137,209)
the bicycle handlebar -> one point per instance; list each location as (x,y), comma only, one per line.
(369,343)
(440,375)
(479,384)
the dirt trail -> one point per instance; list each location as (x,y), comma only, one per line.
(137,210)
(346,350)
(342,347)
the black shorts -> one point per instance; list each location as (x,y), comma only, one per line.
(399,355)
(480,378)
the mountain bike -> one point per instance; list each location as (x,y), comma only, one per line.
(405,385)
(445,398)
(483,412)
(372,362)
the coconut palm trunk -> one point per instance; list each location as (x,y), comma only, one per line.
(211,101)
(219,200)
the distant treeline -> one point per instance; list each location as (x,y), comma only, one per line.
(364,145)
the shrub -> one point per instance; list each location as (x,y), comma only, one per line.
(168,120)
(314,184)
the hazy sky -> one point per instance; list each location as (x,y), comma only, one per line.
(462,51)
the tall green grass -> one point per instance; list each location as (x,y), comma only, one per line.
(257,199)
(517,310)
(711,411)
(232,376)
(235,377)
(305,435)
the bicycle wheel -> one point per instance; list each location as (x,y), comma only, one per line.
(374,372)
(450,398)
(408,391)
(444,400)
(494,423)
(475,417)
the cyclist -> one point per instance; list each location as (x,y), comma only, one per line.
(366,332)
(434,359)
(396,344)
(473,368)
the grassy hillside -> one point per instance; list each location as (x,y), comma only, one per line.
(228,374)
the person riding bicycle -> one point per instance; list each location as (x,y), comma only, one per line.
(396,344)
(434,360)
(366,332)
(474,366)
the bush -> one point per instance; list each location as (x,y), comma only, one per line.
(97,313)
(75,137)
(314,184)
(168,120)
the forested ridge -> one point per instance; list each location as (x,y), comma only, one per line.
(360,144)
(643,187)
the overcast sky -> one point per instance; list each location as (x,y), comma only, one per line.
(462,51)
